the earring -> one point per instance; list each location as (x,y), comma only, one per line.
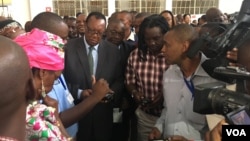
(43,91)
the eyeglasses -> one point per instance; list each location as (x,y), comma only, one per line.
(93,32)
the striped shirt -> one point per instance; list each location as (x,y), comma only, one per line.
(147,75)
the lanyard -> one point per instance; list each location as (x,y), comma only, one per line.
(61,80)
(190,86)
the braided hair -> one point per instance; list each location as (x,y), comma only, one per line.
(154,20)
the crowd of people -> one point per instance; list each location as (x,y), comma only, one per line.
(125,78)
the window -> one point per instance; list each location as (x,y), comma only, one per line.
(193,6)
(71,7)
(150,6)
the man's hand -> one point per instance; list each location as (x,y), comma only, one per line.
(177,138)
(155,102)
(215,133)
(232,56)
(138,96)
(47,100)
(154,134)
(86,93)
(100,89)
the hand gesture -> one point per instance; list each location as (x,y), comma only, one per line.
(93,80)
(47,100)
(154,134)
(215,133)
(177,138)
(232,56)
(101,88)
(138,96)
(155,101)
(86,93)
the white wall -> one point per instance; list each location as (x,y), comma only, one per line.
(230,6)
(20,11)
(24,10)
(38,6)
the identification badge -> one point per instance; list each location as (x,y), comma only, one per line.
(117,115)
(69,97)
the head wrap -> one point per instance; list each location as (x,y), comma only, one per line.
(9,23)
(43,49)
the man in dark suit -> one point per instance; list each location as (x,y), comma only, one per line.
(92,57)
(115,33)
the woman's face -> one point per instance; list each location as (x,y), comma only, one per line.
(168,18)
(49,79)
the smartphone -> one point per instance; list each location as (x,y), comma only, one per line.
(240,116)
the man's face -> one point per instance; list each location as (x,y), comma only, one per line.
(154,39)
(172,49)
(94,30)
(80,23)
(137,24)
(115,33)
(126,20)
(72,28)
(62,30)
(187,19)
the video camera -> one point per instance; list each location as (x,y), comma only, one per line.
(215,98)
(234,35)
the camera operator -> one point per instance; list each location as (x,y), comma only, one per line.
(178,121)
(243,59)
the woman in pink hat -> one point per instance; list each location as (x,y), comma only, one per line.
(45,54)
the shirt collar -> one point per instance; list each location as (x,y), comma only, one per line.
(199,70)
(131,36)
(87,45)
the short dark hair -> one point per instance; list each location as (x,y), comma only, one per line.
(172,16)
(185,15)
(79,13)
(154,20)
(47,21)
(142,14)
(97,15)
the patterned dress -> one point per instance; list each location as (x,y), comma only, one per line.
(41,124)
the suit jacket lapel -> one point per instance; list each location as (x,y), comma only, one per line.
(101,59)
(83,58)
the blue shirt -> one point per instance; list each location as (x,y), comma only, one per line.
(65,100)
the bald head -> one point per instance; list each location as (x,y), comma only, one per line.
(50,22)
(14,71)
(184,32)
(15,85)
(214,15)
(126,18)
(115,32)
(113,22)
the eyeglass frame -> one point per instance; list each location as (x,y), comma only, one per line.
(93,32)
